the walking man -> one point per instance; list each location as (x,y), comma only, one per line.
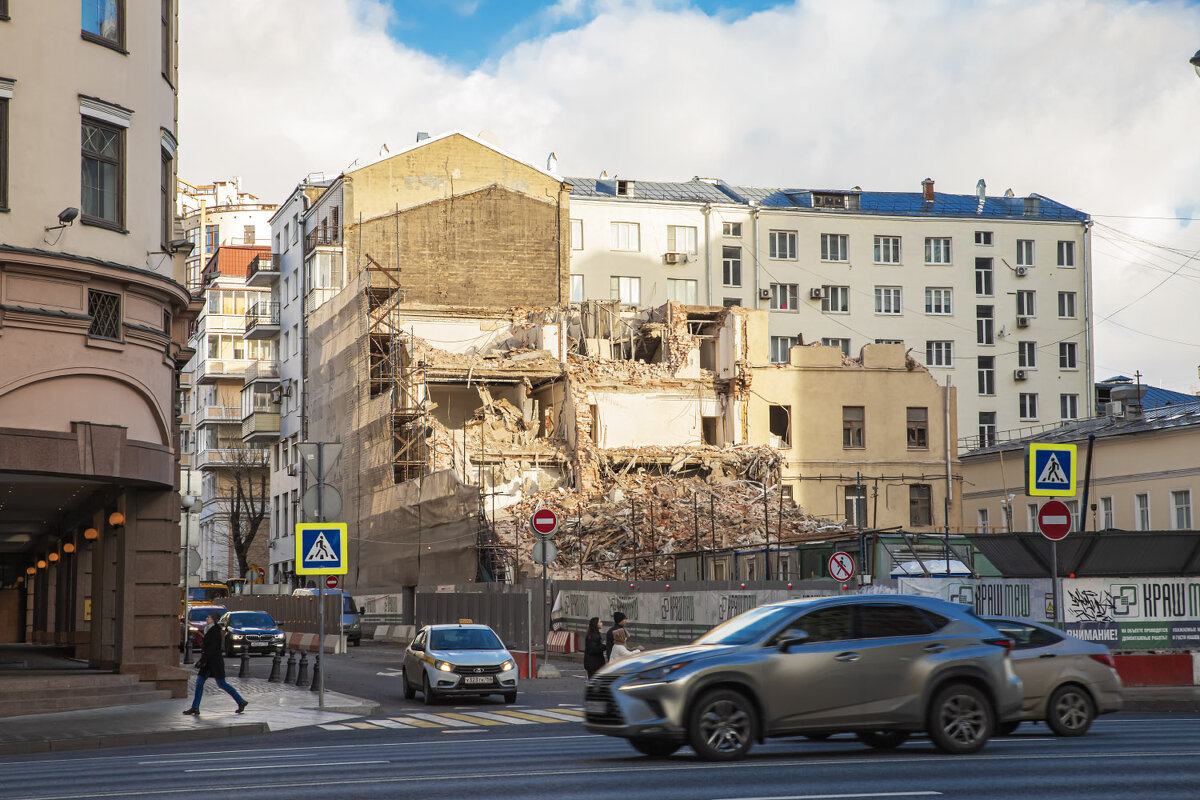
(212,665)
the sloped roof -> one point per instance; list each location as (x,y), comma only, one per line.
(1152,396)
(233,260)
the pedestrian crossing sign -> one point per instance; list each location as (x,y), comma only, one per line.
(321,548)
(1050,470)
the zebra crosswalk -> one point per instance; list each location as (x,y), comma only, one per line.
(463,719)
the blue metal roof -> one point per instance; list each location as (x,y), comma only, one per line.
(1152,396)
(902,204)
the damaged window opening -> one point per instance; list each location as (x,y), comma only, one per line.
(918,428)
(920,505)
(852,427)
(780,424)
(708,429)
(856,505)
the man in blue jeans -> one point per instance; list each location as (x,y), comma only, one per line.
(212,665)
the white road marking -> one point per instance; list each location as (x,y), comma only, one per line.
(390,723)
(547,712)
(286,766)
(839,796)
(326,727)
(449,723)
(502,718)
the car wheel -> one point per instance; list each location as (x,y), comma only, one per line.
(510,698)
(427,691)
(960,719)
(1007,728)
(409,691)
(655,748)
(722,725)
(1070,711)
(883,740)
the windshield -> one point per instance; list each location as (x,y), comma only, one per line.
(201,614)
(348,605)
(748,627)
(464,639)
(251,619)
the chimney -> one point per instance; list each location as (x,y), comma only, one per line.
(927,190)
(422,136)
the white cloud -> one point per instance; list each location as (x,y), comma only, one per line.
(1091,103)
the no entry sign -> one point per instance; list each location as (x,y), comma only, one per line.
(841,566)
(331,581)
(1054,520)
(544,522)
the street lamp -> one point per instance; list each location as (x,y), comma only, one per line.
(187,501)
(1195,62)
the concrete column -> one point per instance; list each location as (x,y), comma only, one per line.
(82,599)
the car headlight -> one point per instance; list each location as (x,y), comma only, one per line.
(444,666)
(238,636)
(279,636)
(508,666)
(658,674)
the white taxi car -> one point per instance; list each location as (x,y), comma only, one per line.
(455,660)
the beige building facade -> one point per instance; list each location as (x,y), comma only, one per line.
(93,330)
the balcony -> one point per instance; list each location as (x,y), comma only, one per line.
(317,298)
(211,370)
(262,320)
(260,427)
(263,371)
(263,270)
(212,459)
(218,415)
(322,237)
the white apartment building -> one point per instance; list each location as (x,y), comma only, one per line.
(216,214)
(992,293)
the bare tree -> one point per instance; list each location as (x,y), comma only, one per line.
(248,507)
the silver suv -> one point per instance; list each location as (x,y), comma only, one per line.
(880,666)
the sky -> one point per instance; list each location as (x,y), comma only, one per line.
(1089,102)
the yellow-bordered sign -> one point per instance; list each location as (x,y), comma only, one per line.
(1050,470)
(321,548)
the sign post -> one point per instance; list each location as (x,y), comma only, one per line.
(544,522)
(321,550)
(1054,521)
(319,457)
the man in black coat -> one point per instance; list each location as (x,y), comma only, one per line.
(212,665)
(618,622)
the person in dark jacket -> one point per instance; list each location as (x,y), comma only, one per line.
(212,665)
(618,622)
(593,648)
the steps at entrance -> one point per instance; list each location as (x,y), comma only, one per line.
(46,694)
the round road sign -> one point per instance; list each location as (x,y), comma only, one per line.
(1054,520)
(331,581)
(841,566)
(544,552)
(544,522)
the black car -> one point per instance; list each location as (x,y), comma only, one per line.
(252,632)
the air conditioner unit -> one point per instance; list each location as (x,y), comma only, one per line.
(276,395)
(764,294)
(1022,271)
(291,469)
(816,293)
(1114,409)
(675,258)
(1023,322)
(1019,375)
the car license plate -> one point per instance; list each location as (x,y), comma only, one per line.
(260,644)
(595,706)
(479,679)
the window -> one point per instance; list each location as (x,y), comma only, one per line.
(103,176)
(894,619)
(939,354)
(3,9)
(679,290)
(982,523)
(1025,303)
(730,302)
(1107,522)
(287,337)
(987,375)
(920,504)
(852,426)
(1068,406)
(627,290)
(1066,254)
(782,244)
(781,348)
(939,300)
(576,234)
(248,234)
(1027,403)
(887,249)
(918,428)
(1068,355)
(784,296)
(987,428)
(624,236)
(856,505)
(826,624)
(4,87)
(1027,355)
(166,180)
(1142,503)
(985,331)
(887,300)
(576,288)
(103,21)
(841,344)
(834,247)
(781,426)
(889,341)
(681,239)
(277,250)
(287,234)
(295,228)
(937,250)
(211,237)
(983,277)
(1066,305)
(731,265)
(166,39)
(1181,509)
(731,229)
(983,238)
(296,339)
(1024,252)
(105,310)
(835,299)
(1031,515)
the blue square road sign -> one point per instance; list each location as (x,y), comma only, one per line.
(321,548)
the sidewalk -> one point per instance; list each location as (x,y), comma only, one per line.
(1177,699)
(272,707)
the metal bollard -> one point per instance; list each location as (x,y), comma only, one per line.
(244,668)
(290,675)
(275,659)
(302,673)
(316,681)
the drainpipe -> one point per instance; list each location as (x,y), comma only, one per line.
(949,477)
(1089,369)
(757,262)
(708,282)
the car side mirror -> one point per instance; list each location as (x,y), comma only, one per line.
(418,647)
(792,638)
(362,609)
(510,645)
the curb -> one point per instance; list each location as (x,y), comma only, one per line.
(1160,705)
(133,739)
